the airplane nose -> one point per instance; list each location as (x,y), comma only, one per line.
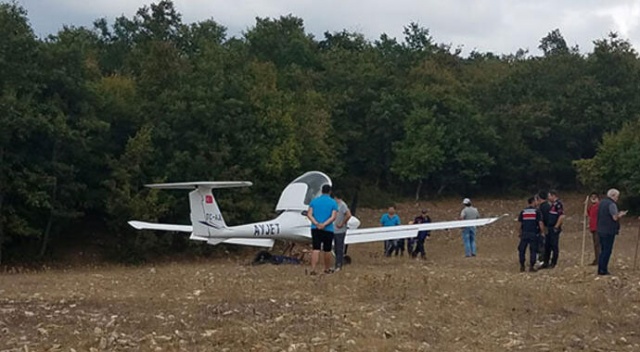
(353,223)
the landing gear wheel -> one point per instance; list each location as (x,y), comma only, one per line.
(347,259)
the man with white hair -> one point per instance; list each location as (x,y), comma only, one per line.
(608,227)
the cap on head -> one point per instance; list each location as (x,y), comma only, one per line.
(424,211)
(466,201)
(326,189)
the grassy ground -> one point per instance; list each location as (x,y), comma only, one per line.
(446,303)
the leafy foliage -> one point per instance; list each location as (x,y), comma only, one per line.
(616,163)
(89,115)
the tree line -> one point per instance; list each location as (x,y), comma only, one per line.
(90,115)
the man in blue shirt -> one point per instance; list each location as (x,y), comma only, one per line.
(322,212)
(390,219)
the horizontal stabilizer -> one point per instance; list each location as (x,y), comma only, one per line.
(141,225)
(203,184)
(409,231)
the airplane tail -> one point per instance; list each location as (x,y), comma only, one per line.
(206,218)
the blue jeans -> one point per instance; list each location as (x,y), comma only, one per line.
(388,247)
(469,239)
(398,246)
(606,244)
(394,246)
(411,243)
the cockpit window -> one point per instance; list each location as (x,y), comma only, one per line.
(301,191)
(314,181)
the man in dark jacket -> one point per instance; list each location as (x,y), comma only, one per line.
(553,225)
(530,226)
(422,235)
(608,228)
(543,206)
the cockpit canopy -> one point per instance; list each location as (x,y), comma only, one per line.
(299,193)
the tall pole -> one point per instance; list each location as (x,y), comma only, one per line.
(584,229)
(635,257)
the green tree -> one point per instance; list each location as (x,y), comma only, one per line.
(282,41)
(553,44)
(19,85)
(616,163)
(421,153)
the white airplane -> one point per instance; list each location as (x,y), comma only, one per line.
(292,224)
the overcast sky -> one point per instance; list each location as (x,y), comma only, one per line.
(499,26)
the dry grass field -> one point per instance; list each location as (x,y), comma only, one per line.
(446,303)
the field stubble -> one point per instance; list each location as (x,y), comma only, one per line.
(446,303)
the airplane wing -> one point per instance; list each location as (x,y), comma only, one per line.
(374,234)
(141,225)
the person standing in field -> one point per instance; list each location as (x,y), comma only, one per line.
(322,212)
(543,206)
(554,228)
(390,219)
(530,227)
(340,229)
(592,214)
(608,227)
(422,235)
(469,212)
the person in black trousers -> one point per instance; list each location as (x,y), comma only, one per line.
(608,228)
(554,228)
(530,227)
(422,235)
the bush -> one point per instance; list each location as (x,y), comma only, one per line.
(616,164)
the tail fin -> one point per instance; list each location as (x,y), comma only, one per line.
(206,218)
(205,214)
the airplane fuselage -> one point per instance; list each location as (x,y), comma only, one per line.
(289,225)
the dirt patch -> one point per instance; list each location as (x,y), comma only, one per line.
(446,303)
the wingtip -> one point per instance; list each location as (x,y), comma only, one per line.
(135,224)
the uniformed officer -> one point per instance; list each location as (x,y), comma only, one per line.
(554,228)
(544,206)
(530,227)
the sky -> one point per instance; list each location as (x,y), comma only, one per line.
(498,26)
